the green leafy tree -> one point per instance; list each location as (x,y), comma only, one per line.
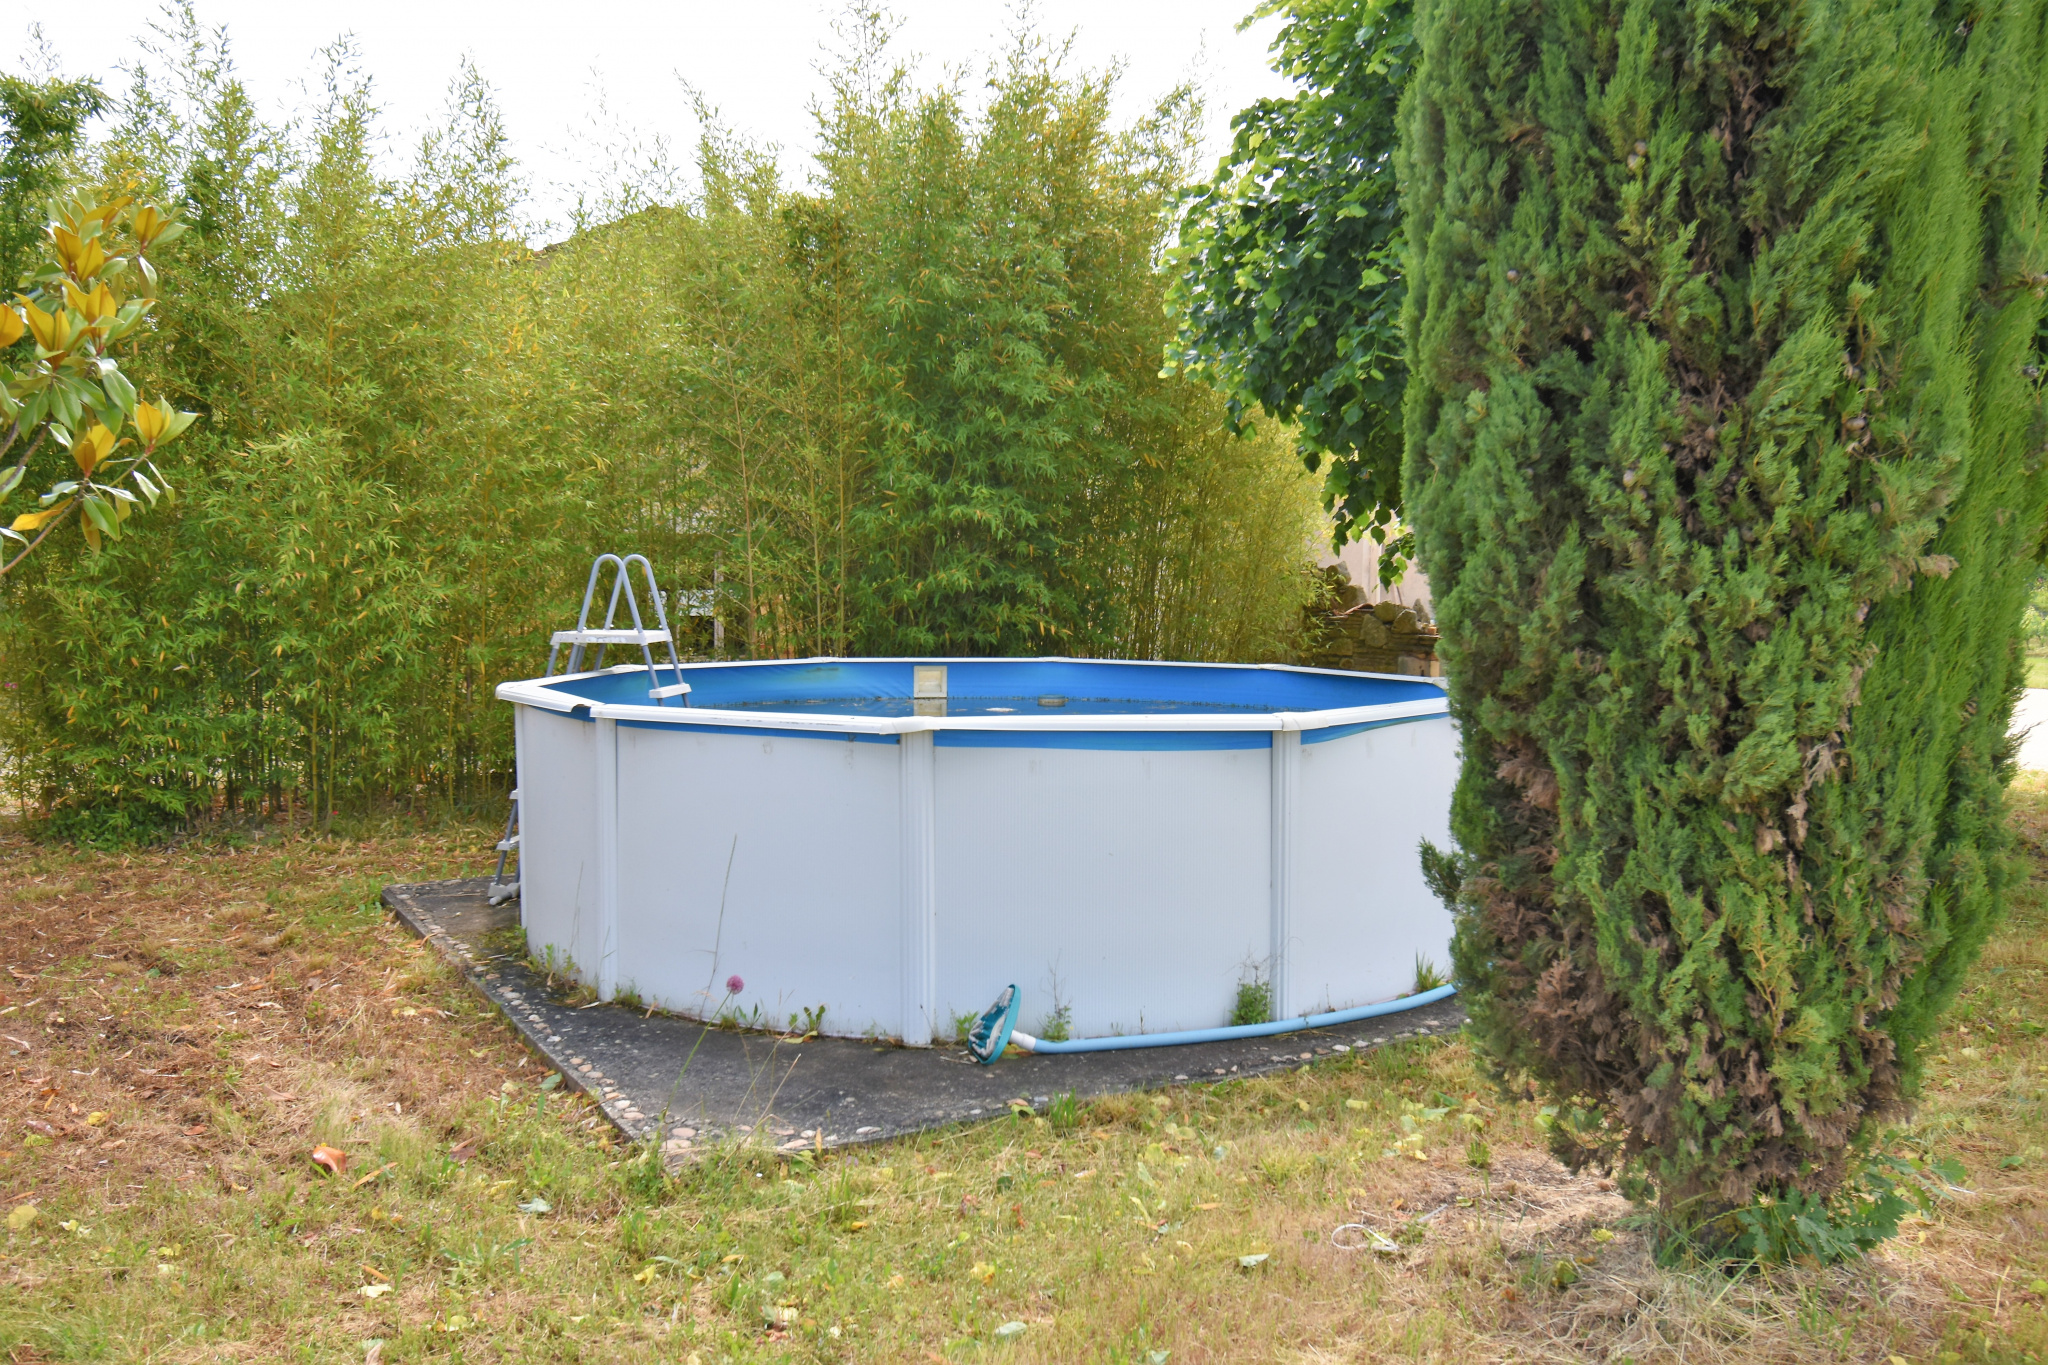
(1725,450)
(1287,269)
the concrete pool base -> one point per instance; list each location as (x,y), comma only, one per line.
(788,1094)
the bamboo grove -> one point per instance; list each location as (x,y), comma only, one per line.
(912,407)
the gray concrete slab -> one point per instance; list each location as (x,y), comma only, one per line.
(790,1094)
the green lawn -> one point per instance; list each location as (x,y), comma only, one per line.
(229,1009)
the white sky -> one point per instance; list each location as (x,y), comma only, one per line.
(754,59)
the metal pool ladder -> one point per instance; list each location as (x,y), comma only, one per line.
(602,637)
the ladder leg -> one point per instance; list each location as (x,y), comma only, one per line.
(500,890)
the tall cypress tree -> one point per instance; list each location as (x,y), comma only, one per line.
(1725,449)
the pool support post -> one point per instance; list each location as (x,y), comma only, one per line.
(607,858)
(1286,796)
(920,888)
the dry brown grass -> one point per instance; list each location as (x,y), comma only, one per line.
(225,1010)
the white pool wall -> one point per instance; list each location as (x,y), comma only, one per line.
(900,870)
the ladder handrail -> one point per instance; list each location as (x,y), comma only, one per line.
(622,584)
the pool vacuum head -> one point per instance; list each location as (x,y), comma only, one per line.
(991,1033)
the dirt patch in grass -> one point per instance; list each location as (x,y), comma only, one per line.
(179,1029)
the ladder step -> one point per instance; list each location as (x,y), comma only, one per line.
(675,690)
(609,637)
(507,845)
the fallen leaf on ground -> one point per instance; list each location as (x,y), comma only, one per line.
(536,1205)
(1257,1258)
(374,1291)
(96,1118)
(463,1150)
(198,1131)
(372,1175)
(21,1217)
(330,1159)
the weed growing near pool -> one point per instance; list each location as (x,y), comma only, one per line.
(1254,1003)
(501,1220)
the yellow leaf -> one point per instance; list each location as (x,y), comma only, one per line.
(95,306)
(21,1216)
(159,422)
(82,257)
(96,1118)
(93,447)
(34,521)
(151,419)
(10,326)
(148,223)
(49,329)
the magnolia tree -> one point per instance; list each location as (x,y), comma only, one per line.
(67,391)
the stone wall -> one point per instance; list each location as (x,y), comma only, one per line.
(1370,637)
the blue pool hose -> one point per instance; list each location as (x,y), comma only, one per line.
(1008,1006)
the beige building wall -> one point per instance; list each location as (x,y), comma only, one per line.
(1362,559)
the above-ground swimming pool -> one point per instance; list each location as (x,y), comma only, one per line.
(896,840)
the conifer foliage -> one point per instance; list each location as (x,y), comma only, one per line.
(1724,445)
